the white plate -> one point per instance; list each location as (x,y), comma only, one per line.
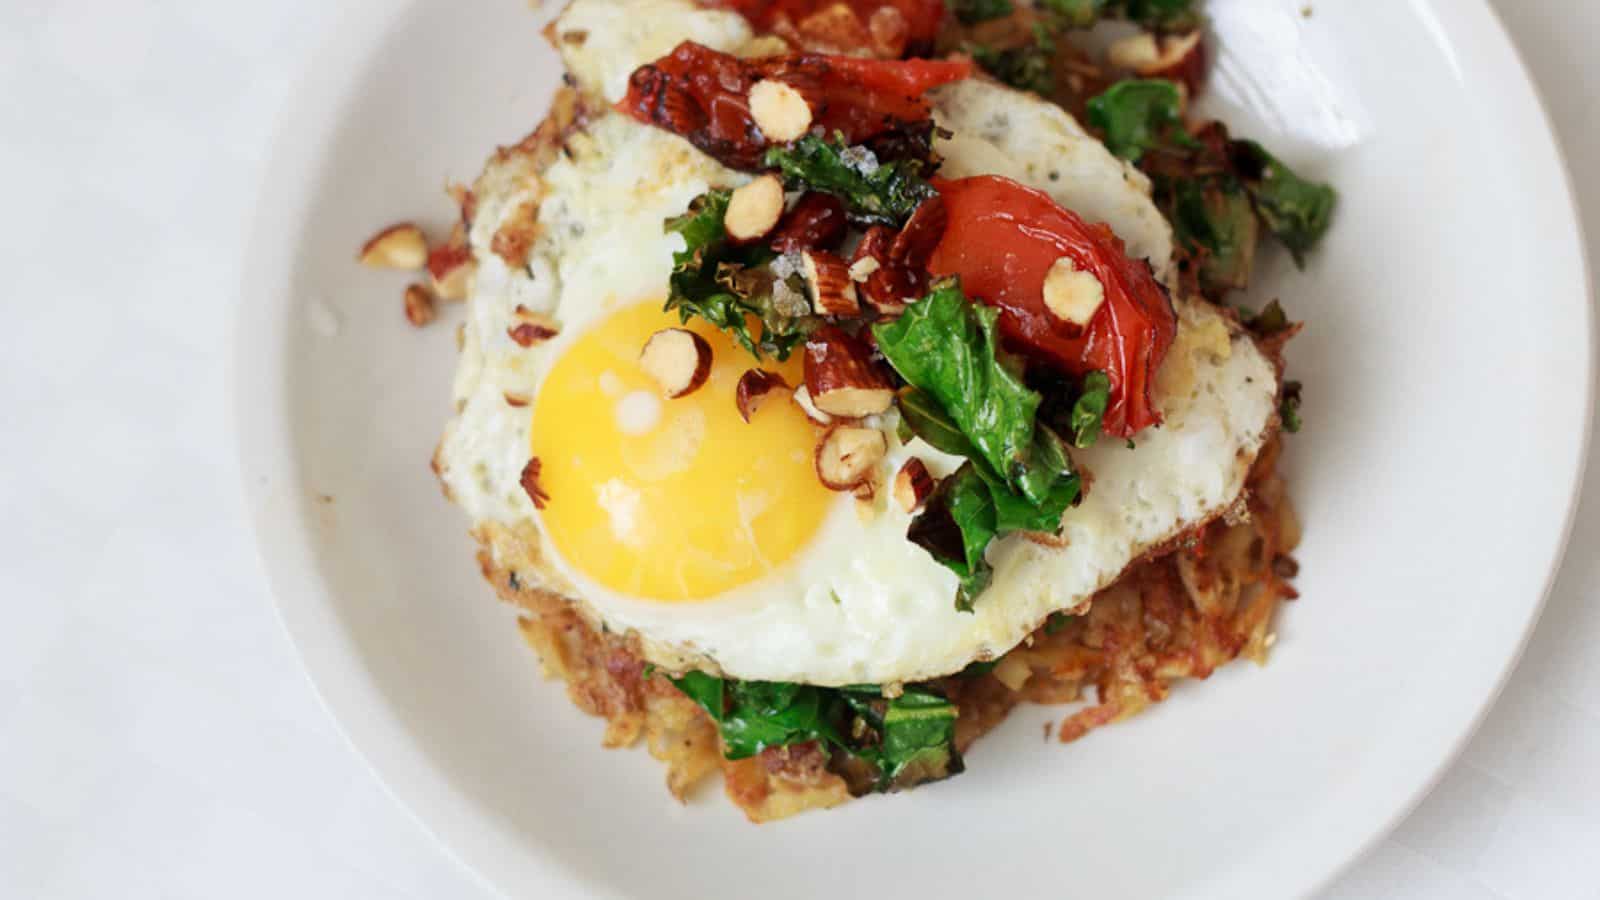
(1447,367)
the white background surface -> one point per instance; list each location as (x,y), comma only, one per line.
(156,736)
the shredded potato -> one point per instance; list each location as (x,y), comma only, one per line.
(1174,616)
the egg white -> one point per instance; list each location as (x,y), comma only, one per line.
(860,604)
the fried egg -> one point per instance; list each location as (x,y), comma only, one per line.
(711,538)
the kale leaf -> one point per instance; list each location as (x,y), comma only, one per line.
(756,715)
(968,399)
(874,192)
(971,12)
(955,526)
(1089,410)
(727,284)
(915,733)
(947,347)
(904,741)
(1137,115)
(1160,15)
(1215,223)
(1296,211)
(1074,13)
(1289,407)
(1027,67)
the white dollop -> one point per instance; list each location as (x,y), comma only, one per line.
(638,412)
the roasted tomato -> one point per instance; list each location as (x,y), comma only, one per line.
(703,95)
(886,28)
(1002,239)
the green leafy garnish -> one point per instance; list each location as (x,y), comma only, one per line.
(1269,321)
(955,526)
(1161,15)
(904,741)
(874,192)
(1074,13)
(726,284)
(1289,407)
(948,347)
(1089,410)
(755,715)
(1026,67)
(1214,221)
(971,12)
(1296,211)
(968,399)
(916,736)
(1138,115)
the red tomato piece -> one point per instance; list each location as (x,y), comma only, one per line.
(1002,239)
(702,95)
(888,28)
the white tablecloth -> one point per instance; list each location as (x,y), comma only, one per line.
(157,738)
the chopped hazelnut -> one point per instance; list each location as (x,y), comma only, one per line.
(754,209)
(678,359)
(912,485)
(780,111)
(399,246)
(847,455)
(1071,294)
(418,305)
(753,388)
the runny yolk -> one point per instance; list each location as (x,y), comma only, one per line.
(671,500)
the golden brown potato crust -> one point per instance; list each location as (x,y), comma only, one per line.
(1177,616)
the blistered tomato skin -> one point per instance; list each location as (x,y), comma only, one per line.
(920,20)
(703,95)
(1002,239)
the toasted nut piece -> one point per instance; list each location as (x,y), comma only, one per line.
(1135,52)
(532,328)
(802,399)
(862,269)
(885,285)
(399,246)
(530,483)
(912,485)
(841,378)
(817,221)
(890,32)
(847,454)
(828,282)
(517,401)
(678,359)
(1179,58)
(451,265)
(914,245)
(753,387)
(1071,294)
(754,209)
(780,111)
(419,305)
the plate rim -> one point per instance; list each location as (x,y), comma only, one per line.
(267,471)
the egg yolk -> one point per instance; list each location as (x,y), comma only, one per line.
(671,500)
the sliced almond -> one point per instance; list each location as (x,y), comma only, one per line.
(678,359)
(399,246)
(780,111)
(912,485)
(841,378)
(753,388)
(1071,294)
(419,305)
(828,283)
(802,399)
(754,209)
(847,455)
